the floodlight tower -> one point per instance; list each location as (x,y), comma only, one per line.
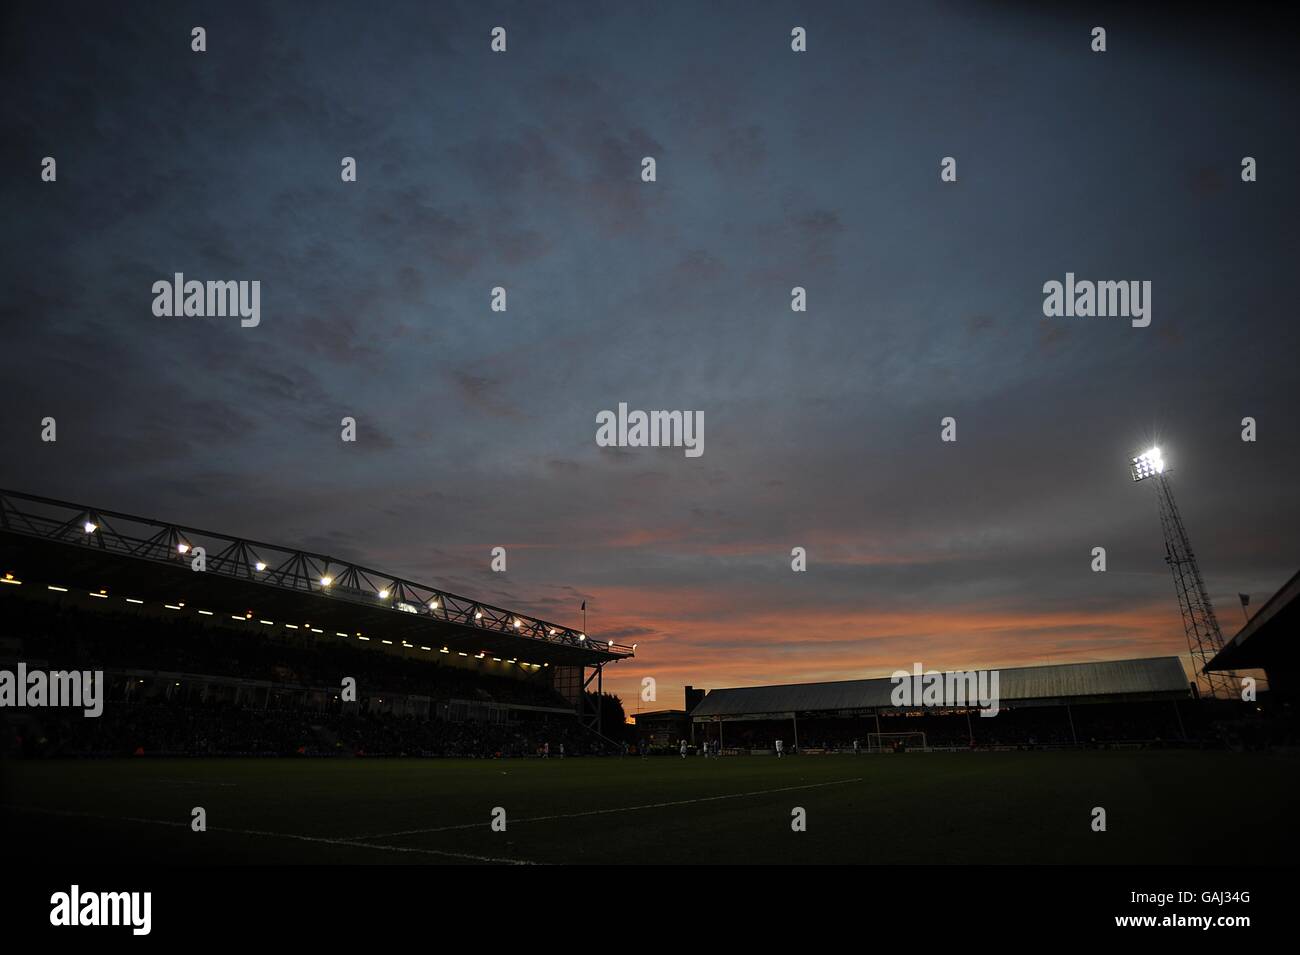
(1204,638)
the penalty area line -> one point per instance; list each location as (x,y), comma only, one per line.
(603,812)
(351,843)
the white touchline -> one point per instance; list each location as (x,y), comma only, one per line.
(278,835)
(601,812)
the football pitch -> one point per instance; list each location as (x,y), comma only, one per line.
(983,808)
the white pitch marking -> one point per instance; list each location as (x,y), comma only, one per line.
(278,835)
(601,812)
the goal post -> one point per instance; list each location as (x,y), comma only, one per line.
(897,743)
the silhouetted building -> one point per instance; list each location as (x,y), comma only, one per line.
(1268,642)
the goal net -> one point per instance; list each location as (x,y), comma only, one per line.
(896,743)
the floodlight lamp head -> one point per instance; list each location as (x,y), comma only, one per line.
(1147,464)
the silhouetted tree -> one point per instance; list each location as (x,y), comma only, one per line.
(612,717)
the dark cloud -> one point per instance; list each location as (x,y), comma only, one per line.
(476,428)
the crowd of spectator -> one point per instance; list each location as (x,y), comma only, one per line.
(69,637)
(180,687)
(172,728)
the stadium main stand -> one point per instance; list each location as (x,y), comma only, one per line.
(177,688)
(249,651)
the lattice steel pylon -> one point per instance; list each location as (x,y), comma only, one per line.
(1204,638)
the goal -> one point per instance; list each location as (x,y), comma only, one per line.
(897,743)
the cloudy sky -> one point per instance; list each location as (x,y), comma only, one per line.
(476,429)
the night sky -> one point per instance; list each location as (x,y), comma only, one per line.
(476,428)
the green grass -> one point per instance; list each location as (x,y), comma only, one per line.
(1162,807)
